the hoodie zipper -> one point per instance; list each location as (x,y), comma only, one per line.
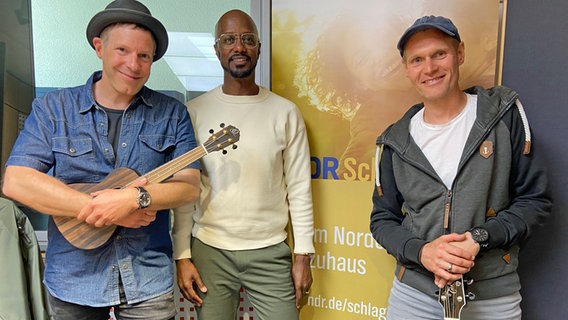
(447,209)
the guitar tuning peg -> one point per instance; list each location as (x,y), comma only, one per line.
(222,125)
(234,147)
(468,281)
(224,151)
(211,131)
(470,295)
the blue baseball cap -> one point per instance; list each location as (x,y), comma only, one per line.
(428,22)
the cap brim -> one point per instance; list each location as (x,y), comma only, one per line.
(411,31)
(110,16)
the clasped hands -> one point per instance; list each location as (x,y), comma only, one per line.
(449,257)
(116,207)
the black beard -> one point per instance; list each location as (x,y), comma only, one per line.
(240,73)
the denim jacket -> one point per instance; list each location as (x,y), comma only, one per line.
(67,134)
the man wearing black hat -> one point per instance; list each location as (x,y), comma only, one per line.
(80,135)
(458,188)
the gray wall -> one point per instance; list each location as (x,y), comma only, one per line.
(536,46)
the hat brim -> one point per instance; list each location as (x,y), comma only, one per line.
(110,16)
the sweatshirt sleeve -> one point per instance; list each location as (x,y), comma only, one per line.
(181,231)
(297,172)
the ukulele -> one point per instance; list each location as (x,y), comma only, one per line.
(452,298)
(85,236)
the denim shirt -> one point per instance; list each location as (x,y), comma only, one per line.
(66,133)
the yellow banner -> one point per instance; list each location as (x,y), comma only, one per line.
(337,60)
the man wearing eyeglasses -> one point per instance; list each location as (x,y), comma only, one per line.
(238,229)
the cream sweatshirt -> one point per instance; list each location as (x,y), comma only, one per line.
(249,195)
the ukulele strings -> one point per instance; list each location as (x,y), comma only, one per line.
(175,165)
(163,172)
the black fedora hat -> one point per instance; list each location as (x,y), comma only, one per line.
(129,11)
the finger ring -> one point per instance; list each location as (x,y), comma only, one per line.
(450,267)
(307,292)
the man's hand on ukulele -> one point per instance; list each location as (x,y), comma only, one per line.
(138,218)
(448,257)
(117,207)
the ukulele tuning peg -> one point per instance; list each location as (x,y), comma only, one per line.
(470,295)
(468,281)
(222,125)
(234,147)
(211,131)
(224,151)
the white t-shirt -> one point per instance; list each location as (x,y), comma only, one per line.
(443,144)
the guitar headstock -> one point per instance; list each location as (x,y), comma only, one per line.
(223,138)
(452,297)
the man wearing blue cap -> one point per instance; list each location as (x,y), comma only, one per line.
(458,189)
(80,135)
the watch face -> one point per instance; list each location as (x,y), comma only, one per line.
(480,235)
(143,198)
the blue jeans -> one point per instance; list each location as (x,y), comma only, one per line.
(161,307)
(407,303)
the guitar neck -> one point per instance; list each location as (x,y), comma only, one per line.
(166,170)
(219,140)
(452,298)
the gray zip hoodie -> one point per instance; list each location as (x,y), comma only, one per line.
(500,186)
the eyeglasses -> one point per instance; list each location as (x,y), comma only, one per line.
(229,40)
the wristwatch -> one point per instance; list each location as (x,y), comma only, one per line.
(143,199)
(480,236)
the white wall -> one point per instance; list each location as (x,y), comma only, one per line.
(63,57)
